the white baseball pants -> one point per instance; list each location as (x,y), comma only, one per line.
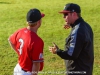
(18,71)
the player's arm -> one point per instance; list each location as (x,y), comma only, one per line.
(12,40)
(35,68)
(12,45)
(37,55)
(41,66)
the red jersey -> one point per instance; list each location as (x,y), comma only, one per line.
(29,47)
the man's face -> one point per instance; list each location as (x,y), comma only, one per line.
(68,17)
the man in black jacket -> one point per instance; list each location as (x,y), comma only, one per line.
(78,53)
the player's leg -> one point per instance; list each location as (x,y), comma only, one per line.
(18,71)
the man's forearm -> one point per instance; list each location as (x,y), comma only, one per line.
(35,68)
(63,54)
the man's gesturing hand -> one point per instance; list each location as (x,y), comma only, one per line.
(53,48)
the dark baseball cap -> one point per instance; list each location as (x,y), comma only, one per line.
(71,7)
(34,15)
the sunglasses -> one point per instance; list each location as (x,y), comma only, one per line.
(65,14)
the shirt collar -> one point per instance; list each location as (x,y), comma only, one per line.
(77,22)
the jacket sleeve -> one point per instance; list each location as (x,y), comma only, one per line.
(75,46)
(63,54)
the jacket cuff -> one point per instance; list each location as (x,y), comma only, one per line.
(58,51)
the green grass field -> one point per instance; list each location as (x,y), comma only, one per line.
(13,17)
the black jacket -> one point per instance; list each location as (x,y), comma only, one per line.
(79,51)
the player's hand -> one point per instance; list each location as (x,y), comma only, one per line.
(53,48)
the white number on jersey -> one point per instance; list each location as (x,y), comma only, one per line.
(21,46)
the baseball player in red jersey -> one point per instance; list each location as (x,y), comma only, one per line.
(28,45)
